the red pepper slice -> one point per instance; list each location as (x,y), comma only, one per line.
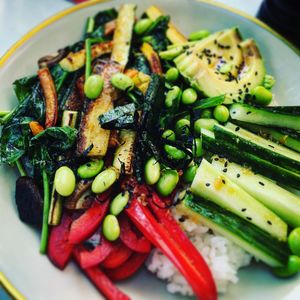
(131,239)
(59,249)
(102,282)
(83,227)
(200,281)
(129,268)
(96,256)
(117,257)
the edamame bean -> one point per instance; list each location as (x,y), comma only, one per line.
(111,228)
(189,96)
(167,182)
(172,74)
(206,114)
(221,113)
(90,169)
(199,35)
(261,95)
(174,152)
(204,123)
(119,202)
(292,267)
(294,241)
(190,173)
(197,147)
(104,180)
(142,26)
(152,171)
(169,135)
(64,181)
(173,95)
(182,127)
(122,82)
(93,86)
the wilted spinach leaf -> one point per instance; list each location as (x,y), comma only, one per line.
(14,140)
(23,86)
(56,138)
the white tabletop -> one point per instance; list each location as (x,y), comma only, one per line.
(19,16)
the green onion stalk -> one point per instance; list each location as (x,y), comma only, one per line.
(45,227)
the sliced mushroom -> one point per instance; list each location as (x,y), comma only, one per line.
(52,59)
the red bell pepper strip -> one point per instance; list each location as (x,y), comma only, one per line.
(129,268)
(59,249)
(96,256)
(194,272)
(102,282)
(49,91)
(83,227)
(131,239)
(117,257)
(164,216)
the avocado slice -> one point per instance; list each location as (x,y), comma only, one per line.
(202,65)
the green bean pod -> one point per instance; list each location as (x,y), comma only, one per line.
(104,180)
(111,228)
(167,182)
(90,169)
(119,203)
(152,171)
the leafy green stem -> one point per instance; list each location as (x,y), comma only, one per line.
(88,58)
(45,228)
(20,168)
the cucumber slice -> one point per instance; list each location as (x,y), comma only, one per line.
(248,236)
(248,113)
(215,186)
(250,142)
(258,164)
(282,202)
(281,136)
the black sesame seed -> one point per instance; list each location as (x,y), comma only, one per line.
(223,181)
(237,128)
(234,112)
(231,57)
(261,183)
(216,158)
(238,175)
(248,113)
(247,90)
(271,146)
(226,164)
(207,184)
(225,170)
(244,209)
(248,218)
(269,222)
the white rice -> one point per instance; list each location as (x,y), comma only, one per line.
(223,257)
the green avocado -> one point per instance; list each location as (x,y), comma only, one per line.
(223,64)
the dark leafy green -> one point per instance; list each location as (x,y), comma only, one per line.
(23,86)
(139,62)
(56,138)
(14,140)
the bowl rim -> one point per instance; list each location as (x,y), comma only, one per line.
(63,13)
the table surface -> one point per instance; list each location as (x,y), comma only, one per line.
(19,16)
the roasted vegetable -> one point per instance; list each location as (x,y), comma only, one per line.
(29,201)
(50,95)
(91,135)
(123,34)
(152,58)
(75,61)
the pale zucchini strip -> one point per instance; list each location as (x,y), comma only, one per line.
(74,61)
(123,34)
(173,34)
(152,57)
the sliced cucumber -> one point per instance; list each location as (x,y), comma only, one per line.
(215,186)
(248,236)
(282,137)
(248,113)
(257,145)
(258,164)
(282,202)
